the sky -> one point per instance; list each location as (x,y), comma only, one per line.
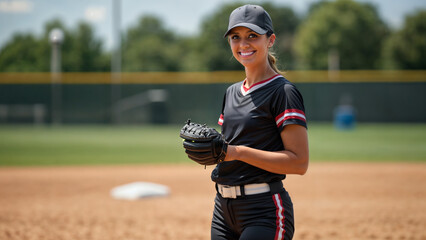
(183,16)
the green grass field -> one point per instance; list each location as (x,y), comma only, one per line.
(104,144)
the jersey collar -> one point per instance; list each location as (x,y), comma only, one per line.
(258,85)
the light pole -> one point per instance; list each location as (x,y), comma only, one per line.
(116,62)
(56,37)
(333,64)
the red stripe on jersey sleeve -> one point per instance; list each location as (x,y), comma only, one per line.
(290,114)
(220,122)
(279,116)
(294,117)
(294,110)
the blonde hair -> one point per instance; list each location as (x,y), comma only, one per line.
(273,61)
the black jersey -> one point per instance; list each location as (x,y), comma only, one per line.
(254,117)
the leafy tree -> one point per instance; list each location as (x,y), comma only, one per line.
(23,53)
(81,51)
(212,51)
(27,53)
(353,30)
(85,52)
(285,23)
(406,49)
(150,47)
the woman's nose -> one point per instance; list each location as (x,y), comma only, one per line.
(244,44)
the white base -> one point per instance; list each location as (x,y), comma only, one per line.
(137,190)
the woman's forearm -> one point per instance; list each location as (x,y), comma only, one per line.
(281,162)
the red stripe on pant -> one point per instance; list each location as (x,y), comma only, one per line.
(279,235)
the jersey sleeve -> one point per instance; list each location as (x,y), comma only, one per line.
(289,107)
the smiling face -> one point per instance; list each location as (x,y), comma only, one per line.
(249,47)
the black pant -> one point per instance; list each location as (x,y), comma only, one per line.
(254,217)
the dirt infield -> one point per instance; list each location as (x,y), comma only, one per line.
(332,201)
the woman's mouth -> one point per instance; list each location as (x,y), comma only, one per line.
(247,54)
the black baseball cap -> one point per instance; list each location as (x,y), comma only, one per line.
(250,16)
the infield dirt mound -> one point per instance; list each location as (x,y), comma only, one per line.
(332,201)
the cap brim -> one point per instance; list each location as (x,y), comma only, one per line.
(253,27)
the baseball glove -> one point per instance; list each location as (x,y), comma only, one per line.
(203,144)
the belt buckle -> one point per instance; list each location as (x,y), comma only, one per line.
(229,192)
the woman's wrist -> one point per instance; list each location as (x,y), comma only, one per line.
(232,153)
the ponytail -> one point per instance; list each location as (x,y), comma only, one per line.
(273,62)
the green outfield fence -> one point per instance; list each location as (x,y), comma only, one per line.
(172,97)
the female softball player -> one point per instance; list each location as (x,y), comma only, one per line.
(263,121)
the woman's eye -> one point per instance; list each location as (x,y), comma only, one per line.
(234,37)
(252,35)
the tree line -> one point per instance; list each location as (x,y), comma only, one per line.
(342,34)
